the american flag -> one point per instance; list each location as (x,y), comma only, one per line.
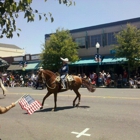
(29,104)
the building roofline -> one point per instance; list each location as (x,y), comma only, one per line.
(11,46)
(102,25)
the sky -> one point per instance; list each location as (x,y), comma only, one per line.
(84,14)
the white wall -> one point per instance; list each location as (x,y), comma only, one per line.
(7,52)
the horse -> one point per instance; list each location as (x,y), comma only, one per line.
(3,87)
(54,87)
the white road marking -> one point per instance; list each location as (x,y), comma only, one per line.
(82,133)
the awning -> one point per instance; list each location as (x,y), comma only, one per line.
(14,67)
(107,60)
(32,66)
(3,63)
(85,62)
(114,60)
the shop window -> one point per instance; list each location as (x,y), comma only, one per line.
(81,42)
(111,39)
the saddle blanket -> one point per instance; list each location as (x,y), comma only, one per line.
(69,78)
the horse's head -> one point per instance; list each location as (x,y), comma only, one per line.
(41,77)
(46,76)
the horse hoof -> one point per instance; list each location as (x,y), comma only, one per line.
(4,94)
(41,107)
(53,109)
(77,105)
(73,105)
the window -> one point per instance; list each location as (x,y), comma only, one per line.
(81,42)
(111,39)
(95,39)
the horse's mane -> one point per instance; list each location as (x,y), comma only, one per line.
(48,72)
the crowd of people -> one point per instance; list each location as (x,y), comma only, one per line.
(102,79)
(19,80)
(106,79)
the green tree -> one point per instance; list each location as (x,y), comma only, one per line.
(9,12)
(60,44)
(129,46)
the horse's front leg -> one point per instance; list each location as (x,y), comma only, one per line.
(55,102)
(47,95)
(78,95)
(75,101)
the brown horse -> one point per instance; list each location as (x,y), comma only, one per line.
(53,86)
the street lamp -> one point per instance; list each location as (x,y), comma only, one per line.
(98,58)
(97,47)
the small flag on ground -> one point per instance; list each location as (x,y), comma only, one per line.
(29,104)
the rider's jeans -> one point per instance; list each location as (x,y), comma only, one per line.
(63,80)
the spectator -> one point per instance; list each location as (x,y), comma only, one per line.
(84,76)
(131,83)
(100,79)
(12,80)
(125,75)
(91,76)
(22,81)
(115,79)
(94,82)
(79,75)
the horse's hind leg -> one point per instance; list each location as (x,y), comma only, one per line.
(55,102)
(78,95)
(47,95)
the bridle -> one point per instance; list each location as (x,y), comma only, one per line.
(44,80)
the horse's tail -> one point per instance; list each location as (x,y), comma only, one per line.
(2,86)
(88,85)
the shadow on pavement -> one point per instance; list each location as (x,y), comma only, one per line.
(61,108)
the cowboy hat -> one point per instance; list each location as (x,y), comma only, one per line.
(40,68)
(64,59)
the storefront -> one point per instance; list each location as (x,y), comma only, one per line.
(87,66)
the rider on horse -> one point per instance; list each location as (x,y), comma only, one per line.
(64,71)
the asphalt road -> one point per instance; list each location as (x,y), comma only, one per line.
(106,114)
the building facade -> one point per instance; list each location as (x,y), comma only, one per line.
(104,34)
(7,50)
(23,64)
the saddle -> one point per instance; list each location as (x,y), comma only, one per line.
(68,79)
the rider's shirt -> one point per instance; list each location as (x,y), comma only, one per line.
(64,69)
